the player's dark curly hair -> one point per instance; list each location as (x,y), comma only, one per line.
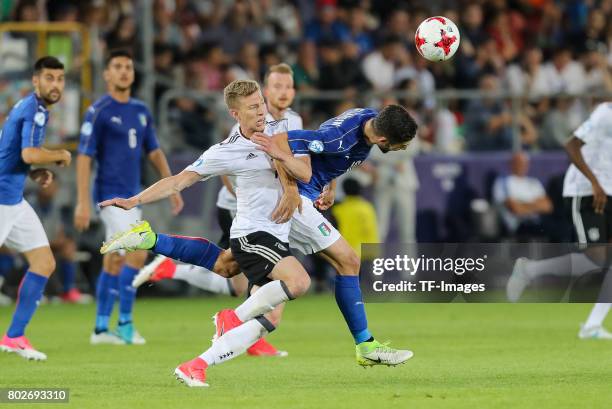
(396,124)
(48,62)
(118,52)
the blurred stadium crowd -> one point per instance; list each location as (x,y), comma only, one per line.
(546,51)
(526,75)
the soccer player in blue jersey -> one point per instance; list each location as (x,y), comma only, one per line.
(339,145)
(117,133)
(21,140)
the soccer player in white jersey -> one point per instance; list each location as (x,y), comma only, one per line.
(279,92)
(587,188)
(117,134)
(340,144)
(259,244)
(21,140)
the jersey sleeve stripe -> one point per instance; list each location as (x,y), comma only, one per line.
(342,136)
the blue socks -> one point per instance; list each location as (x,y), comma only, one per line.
(68,270)
(30,291)
(191,250)
(107,290)
(348,297)
(7,263)
(127,293)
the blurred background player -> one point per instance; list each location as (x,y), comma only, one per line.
(354,207)
(279,92)
(53,215)
(587,187)
(116,131)
(20,228)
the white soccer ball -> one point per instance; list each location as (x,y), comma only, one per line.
(437,38)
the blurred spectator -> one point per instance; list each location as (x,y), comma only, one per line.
(326,25)
(306,71)
(195,122)
(247,65)
(564,74)
(528,78)
(597,74)
(205,68)
(556,129)
(395,187)
(124,35)
(399,25)
(380,66)
(487,121)
(355,207)
(238,27)
(472,32)
(163,62)
(339,68)
(506,27)
(359,33)
(521,199)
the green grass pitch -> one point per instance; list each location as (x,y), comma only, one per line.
(466,356)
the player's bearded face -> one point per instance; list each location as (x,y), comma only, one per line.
(252,113)
(50,85)
(279,90)
(120,73)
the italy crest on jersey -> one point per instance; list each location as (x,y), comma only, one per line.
(324,229)
(143,120)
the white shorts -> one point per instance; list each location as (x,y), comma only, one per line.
(117,220)
(20,228)
(311,232)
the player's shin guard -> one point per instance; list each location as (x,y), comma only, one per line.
(127,293)
(263,300)
(191,250)
(348,298)
(235,342)
(30,291)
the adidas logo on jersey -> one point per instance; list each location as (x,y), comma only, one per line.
(251,156)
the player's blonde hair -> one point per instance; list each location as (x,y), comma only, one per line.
(281,68)
(238,89)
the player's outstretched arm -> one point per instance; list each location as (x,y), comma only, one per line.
(277,147)
(599,195)
(42,156)
(160,190)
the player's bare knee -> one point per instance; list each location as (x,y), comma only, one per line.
(298,285)
(44,265)
(349,263)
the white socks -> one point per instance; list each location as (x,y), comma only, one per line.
(235,342)
(202,278)
(263,300)
(573,264)
(598,314)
